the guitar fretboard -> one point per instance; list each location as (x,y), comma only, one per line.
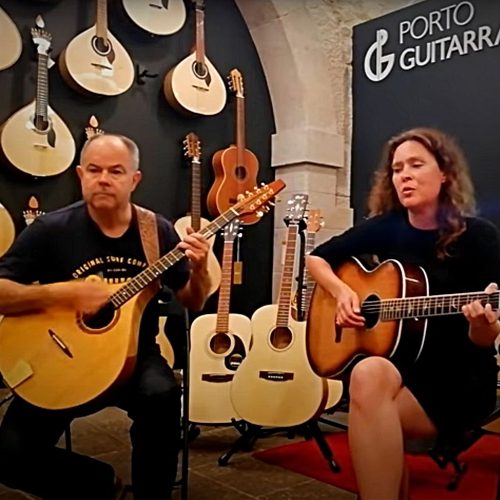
(195,194)
(144,278)
(287,276)
(424,307)
(42,89)
(223,307)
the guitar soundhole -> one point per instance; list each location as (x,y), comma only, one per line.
(99,320)
(220,343)
(233,361)
(281,337)
(370,310)
(240,172)
(102,47)
(200,70)
(41,124)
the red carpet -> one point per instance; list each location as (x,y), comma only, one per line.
(427,481)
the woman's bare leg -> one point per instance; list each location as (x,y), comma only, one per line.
(382,412)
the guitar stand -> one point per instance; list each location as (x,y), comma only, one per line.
(252,432)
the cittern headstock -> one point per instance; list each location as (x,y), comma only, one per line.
(235,79)
(192,147)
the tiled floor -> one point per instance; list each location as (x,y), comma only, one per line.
(105,435)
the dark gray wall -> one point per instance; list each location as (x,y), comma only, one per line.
(143,114)
(459,95)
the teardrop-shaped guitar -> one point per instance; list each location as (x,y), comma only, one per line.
(35,140)
(12,45)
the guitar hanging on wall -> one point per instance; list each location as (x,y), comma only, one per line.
(194,220)
(235,167)
(194,86)
(45,355)
(7,230)
(11,45)
(159,17)
(219,343)
(275,385)
(34,139)
(95,62)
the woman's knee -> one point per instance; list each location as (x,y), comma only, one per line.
(372,379)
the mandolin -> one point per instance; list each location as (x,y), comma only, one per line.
(194,220)
(219,343)
(159,17)
(35,140)
(7,230)
(56,358)
(12,44)
(194,87)
(275,385)
(235,167)
(95,62)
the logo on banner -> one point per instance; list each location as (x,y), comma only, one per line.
(383,63)
(413,52)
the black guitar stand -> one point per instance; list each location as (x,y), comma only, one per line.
(251,433)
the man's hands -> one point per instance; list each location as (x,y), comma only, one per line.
(195,248)
(85,296)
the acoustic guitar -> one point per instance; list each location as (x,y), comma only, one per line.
(219,343)
(302,298)
(12,44)
(235,167)
(192,150)
(7,230)
(95,62)
(395,304)
(56,358)
(194,87)
(35,140)
(159,17)
(275,385)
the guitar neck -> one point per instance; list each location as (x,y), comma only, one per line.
(428,306)
(195,194)
(240,129)
(148,275)
(42,91)
(200,36)
(308,284)
(223,306)
(285,293)
(102,20)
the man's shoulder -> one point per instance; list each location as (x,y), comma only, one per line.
(64,215)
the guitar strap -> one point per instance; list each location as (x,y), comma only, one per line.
(148,229)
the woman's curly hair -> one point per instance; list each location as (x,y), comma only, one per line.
(456,199)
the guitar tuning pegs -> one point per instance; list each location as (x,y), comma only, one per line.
(259,213)
(271,203)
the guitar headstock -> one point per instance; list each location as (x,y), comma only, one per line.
(232,231)
(236,82)
(93,128)
(41,38)
(192,147)
(297,207)
(258,200)
(199,4)
(314,220)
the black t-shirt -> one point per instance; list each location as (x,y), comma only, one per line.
(449,359)
(67,244)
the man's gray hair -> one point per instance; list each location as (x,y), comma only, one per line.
(132,147)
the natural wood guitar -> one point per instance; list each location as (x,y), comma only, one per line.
(35,140)
(7,230)
(395,303)
(194,86)
(95,62)
(235,167)
(275,385)
(159,17)
(302,299)
(193,152)
(11,45)
(56,358)
(219,343)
